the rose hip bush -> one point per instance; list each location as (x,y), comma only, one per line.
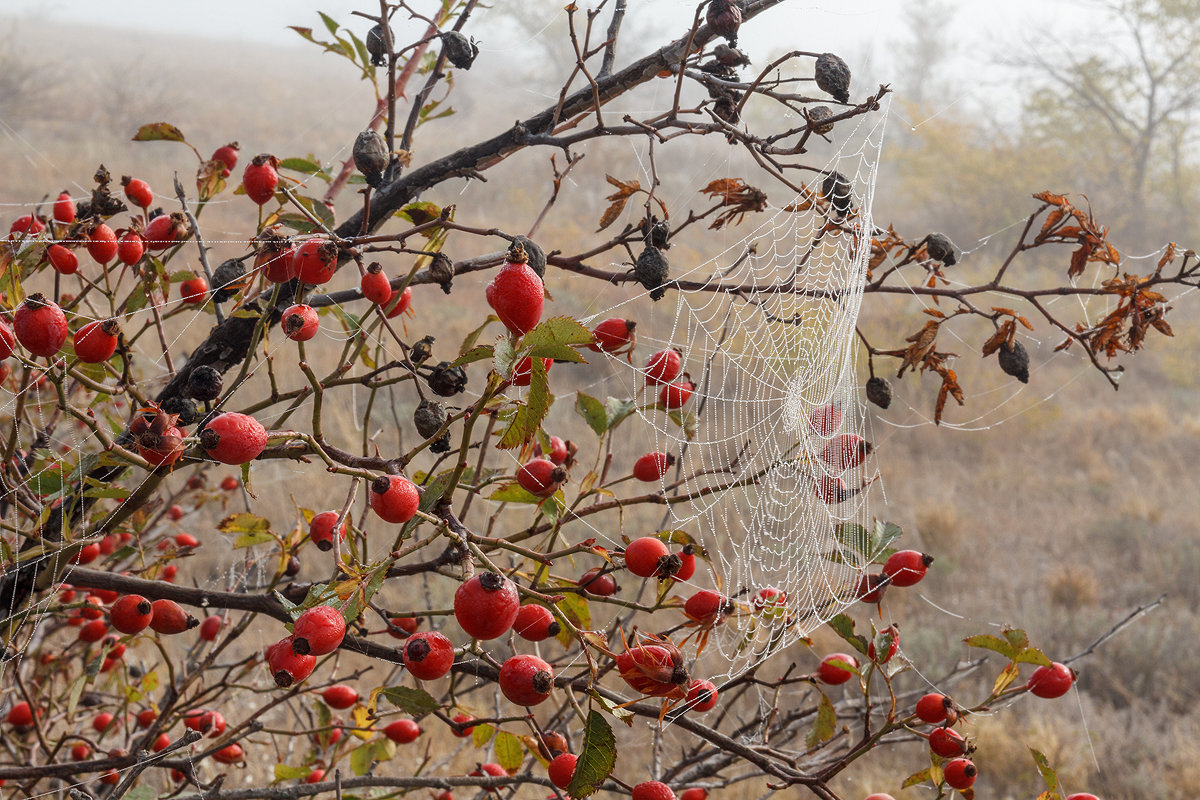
(467,630)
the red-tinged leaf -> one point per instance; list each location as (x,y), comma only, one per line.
(933,312)
(612,213)
(159,132)
(1168,256)
(1078,262)
(1006,678)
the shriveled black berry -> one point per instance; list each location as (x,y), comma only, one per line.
(940,248)
(447,380)
(726,108)
(377,46)
(460,50)
(1014,360)
(421,351)
(535,256)
(818,114)
(836,190)
(228,279)
(204,383)
(652,271)
(442,445)
(725,18)
(833,77)
(428,418)
(371,157)
(184,407)
(659,234)
(879,392)
(441,269)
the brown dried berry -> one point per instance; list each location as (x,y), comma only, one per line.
(940,248)
(371,157)
(459,50)
(652,271)
(441,269)
(183,407)
(836,190)
(377,45)
(447,380)
(429,418)
(725,17)
(833,77)
(422,350)
(816,115)
(535,256)
(1014,360)
(728,56)
(879,392)
(660,232)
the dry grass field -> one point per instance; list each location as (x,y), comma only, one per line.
(1065,506)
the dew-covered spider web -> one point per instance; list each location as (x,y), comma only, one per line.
(768,447)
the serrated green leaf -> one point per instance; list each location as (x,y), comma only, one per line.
(884,534)
(555,332)
(596,759)
(825,723)
(1032,655)
(410,699)
(482,734)
(986,641)
(529,415)
(244,522)
(304,165)
(510,753)
(686,420)
(503,357)
(617,411)
(1017,638)
(474,335)
(1047,772)
(1005,678)
(513,493)
(159,132)
(844,627)
(286,772)
(919,776)
(477,353)
(361,759)
(575,608)
(593,413)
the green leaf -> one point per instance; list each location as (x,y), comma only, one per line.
(513,493)
(824,725)
(331,24)
(554,337)
(503,356)
(575,608)
(596,759)
(687,421)
(510,753)
(419,213)
(884,534)
(1017,638)
(243,522)
(477,353)
(529,415)
(592,411)
(361,759)
(482,734)
(159,132)
(74,692)
(305,165)
(844,627)
(285,772)
(1047,772)
(410,699)
(473,336)
(1031,655)
(988,642)
(917,777)
(617,410)
(1005,678)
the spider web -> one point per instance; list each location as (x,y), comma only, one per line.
(767,332)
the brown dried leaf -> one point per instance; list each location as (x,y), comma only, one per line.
(1003,333)
(1168,256)
(1052,199)
(933,312)
(1024,322)
(1161,326)
(1053,218)
(1078,262)
(611,213)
